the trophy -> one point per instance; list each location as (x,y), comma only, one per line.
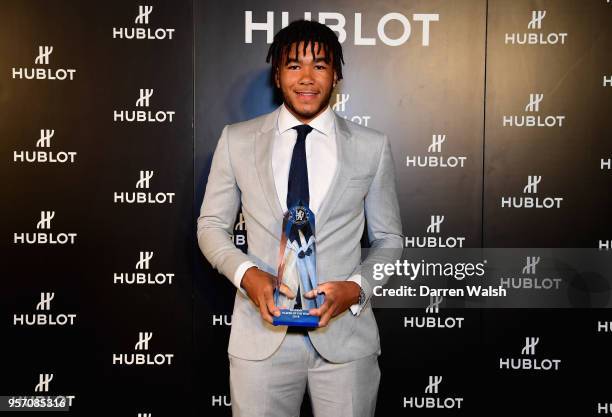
(297,264)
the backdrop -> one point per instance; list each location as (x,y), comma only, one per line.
(498,114)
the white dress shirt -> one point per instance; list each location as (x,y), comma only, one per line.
(321,155)
(321,160)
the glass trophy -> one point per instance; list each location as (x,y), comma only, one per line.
(297,264)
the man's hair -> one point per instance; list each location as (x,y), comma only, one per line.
(309,32)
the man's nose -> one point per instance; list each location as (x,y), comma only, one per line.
(306,77)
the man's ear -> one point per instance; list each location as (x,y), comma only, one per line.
(335,79)
(276,79)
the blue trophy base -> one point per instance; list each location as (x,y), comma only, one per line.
(295,318)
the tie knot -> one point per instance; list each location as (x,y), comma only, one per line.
(302,130)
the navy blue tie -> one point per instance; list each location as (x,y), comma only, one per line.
(297,187)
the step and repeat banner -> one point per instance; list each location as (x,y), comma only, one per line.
(498,114)
(96,135)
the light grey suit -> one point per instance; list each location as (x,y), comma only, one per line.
(363,186)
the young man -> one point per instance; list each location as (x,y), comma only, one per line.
(345,173)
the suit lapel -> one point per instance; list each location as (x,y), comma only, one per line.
(264,140)
(340,179)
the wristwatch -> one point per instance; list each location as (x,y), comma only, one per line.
(362,296)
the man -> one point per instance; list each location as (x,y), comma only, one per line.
(345,172)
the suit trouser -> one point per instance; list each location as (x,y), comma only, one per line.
(274,387)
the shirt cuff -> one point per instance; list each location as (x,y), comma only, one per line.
(355,308)
(239,274)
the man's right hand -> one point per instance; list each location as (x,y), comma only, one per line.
(259,286)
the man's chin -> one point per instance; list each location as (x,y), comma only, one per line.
(307,113)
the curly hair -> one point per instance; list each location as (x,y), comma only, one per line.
(309,32)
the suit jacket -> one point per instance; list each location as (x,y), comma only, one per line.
(363,187)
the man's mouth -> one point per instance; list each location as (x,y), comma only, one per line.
(306,96)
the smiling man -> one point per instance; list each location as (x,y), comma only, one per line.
(344,172)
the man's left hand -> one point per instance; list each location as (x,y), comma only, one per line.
(339,296)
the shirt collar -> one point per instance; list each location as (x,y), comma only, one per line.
(324,122)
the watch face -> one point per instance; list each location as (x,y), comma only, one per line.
(361,296)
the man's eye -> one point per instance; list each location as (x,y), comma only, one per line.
(293,66)
(320,66)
